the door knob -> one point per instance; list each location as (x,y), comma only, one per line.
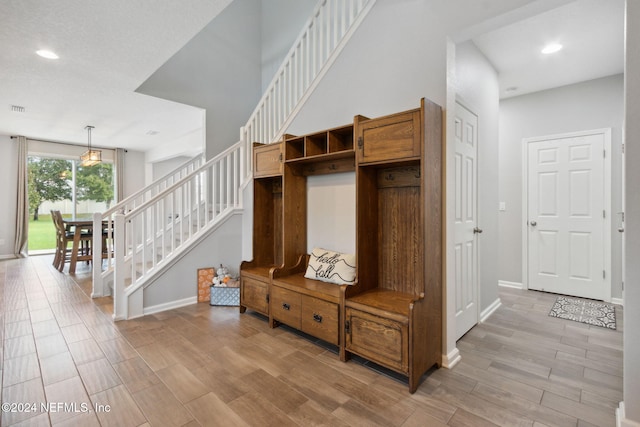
(477,230)
(621,230)
(533,223)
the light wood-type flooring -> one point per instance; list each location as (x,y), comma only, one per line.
(211,366)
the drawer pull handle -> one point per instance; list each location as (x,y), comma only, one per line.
(317,318)
(286,306)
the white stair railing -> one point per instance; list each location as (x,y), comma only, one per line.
(165,225)
(323,37)
(105,219)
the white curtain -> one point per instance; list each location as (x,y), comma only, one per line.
(22,209)
(119,164)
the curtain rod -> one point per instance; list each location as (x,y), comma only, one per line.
(63,143)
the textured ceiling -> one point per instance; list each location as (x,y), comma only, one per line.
(591,31)
(106,49)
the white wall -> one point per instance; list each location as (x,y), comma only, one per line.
(397,56)
(631,337)
(282,22)
(218,70)
(8,194)
(477,86)
(160,169)
(584,106)
(188,145)
(226,67)
(331,212)
(134,172)
(223,246)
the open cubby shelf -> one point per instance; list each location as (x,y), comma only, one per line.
(311,147)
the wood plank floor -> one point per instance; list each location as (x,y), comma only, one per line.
(211,366)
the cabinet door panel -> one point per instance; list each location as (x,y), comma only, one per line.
(285,306)
(381,340)
(267,160)
(320,319)
(253,294)
(389,138)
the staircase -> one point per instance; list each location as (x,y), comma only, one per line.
(103,278)
(148,231)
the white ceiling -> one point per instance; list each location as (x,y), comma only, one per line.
(591,31)
(109,48)
(106,49)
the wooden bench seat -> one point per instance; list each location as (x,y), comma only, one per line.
(383,302)
(315,288)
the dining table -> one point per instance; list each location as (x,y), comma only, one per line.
(80,226)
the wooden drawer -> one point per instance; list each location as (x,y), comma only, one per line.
(254,295)
(320,319)
(378,339)
(267,160)
(285,306)
(390,138)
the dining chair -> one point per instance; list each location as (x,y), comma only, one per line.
(64,236)
(59,253)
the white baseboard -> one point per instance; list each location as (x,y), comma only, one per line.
(8,256)
(170,305)
(621,420)
(507,284)
(450,360)
(618,301)
(484,315)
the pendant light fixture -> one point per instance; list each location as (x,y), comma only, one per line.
(90,157)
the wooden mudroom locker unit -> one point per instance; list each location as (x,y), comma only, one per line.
(392,315)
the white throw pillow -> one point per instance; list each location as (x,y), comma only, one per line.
(332,267)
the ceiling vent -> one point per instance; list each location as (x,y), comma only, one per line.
(17,109)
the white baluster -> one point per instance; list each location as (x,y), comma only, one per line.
(221,184)
(119,297)
(228,178)
(96,247)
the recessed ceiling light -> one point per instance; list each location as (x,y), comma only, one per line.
(551,48)
(47,54)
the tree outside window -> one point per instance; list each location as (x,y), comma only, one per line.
(95,183)
(48,181)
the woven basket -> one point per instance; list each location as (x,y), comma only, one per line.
(225,296)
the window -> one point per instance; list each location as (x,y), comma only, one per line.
(58,182)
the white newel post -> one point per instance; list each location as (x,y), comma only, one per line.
(119,296)
(96,245)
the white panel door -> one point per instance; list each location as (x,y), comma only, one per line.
(565,205)
(466,220)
